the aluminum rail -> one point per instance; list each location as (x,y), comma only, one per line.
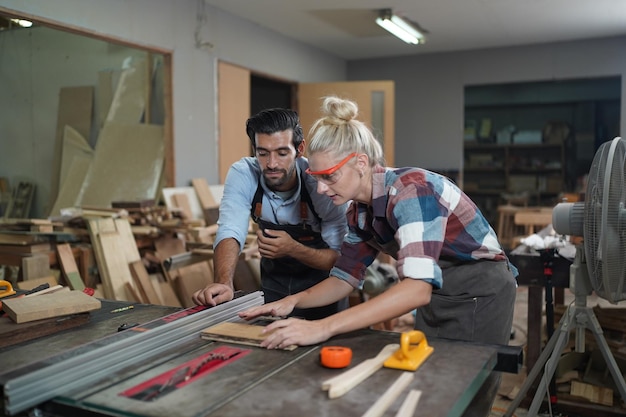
(29,390)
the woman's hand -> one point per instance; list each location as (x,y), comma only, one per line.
(284,333)
(279,308)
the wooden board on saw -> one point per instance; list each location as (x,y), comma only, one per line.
(237,333)
(63,303)
(12,333)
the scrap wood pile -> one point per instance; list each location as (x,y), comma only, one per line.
(585,374)
(124,252)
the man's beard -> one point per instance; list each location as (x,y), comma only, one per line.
(274,183)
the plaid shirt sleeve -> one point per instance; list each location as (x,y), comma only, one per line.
(428,217)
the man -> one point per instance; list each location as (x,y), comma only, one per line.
(300,231)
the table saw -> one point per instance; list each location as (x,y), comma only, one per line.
(151,361)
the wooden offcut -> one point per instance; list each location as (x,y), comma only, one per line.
(34,267)
(69,267)
(143,283)
(27,309)
(204,193)
(238,333)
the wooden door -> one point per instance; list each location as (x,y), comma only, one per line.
(233,93)
(374,98)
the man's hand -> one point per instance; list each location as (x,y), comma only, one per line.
(275,243)
(213,294)
(279,308)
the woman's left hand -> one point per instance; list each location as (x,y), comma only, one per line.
(292,331)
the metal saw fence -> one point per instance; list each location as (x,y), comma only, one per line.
(28,390)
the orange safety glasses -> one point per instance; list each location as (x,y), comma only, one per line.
(326,175)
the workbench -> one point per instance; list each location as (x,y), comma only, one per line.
(531,274)
(261,382)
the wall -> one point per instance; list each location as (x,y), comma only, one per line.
(429,88)
(172,25)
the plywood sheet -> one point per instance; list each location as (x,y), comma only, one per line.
(74,146)
(26,309)
(127,165)
(75,109)
(129,100)
(70,188)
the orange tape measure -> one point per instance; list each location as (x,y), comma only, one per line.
(335,356)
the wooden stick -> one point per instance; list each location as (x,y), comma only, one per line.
(407,409)
(340,384)
(385,400)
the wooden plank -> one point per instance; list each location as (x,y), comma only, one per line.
(115,265)
(204,193)
(97,226)
(26,249)
(35,267)
(194,203)
(181,202)
(12,333)
(143,283)
(26,309)
(238,333)
(190,279)
(127,240)
(384,401)
(344,382)
(69,267)
(165,291)
(21,239)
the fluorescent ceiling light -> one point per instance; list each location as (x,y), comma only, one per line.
(23,23)
(400,27)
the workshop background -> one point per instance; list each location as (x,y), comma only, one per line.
(118,122)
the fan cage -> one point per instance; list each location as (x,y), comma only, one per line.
(605,221)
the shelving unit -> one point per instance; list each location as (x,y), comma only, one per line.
(492,170)
(498,162)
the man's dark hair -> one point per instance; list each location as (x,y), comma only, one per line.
(275,120)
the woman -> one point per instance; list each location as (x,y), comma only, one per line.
(452,269)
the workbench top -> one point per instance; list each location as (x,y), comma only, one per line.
(264,382)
